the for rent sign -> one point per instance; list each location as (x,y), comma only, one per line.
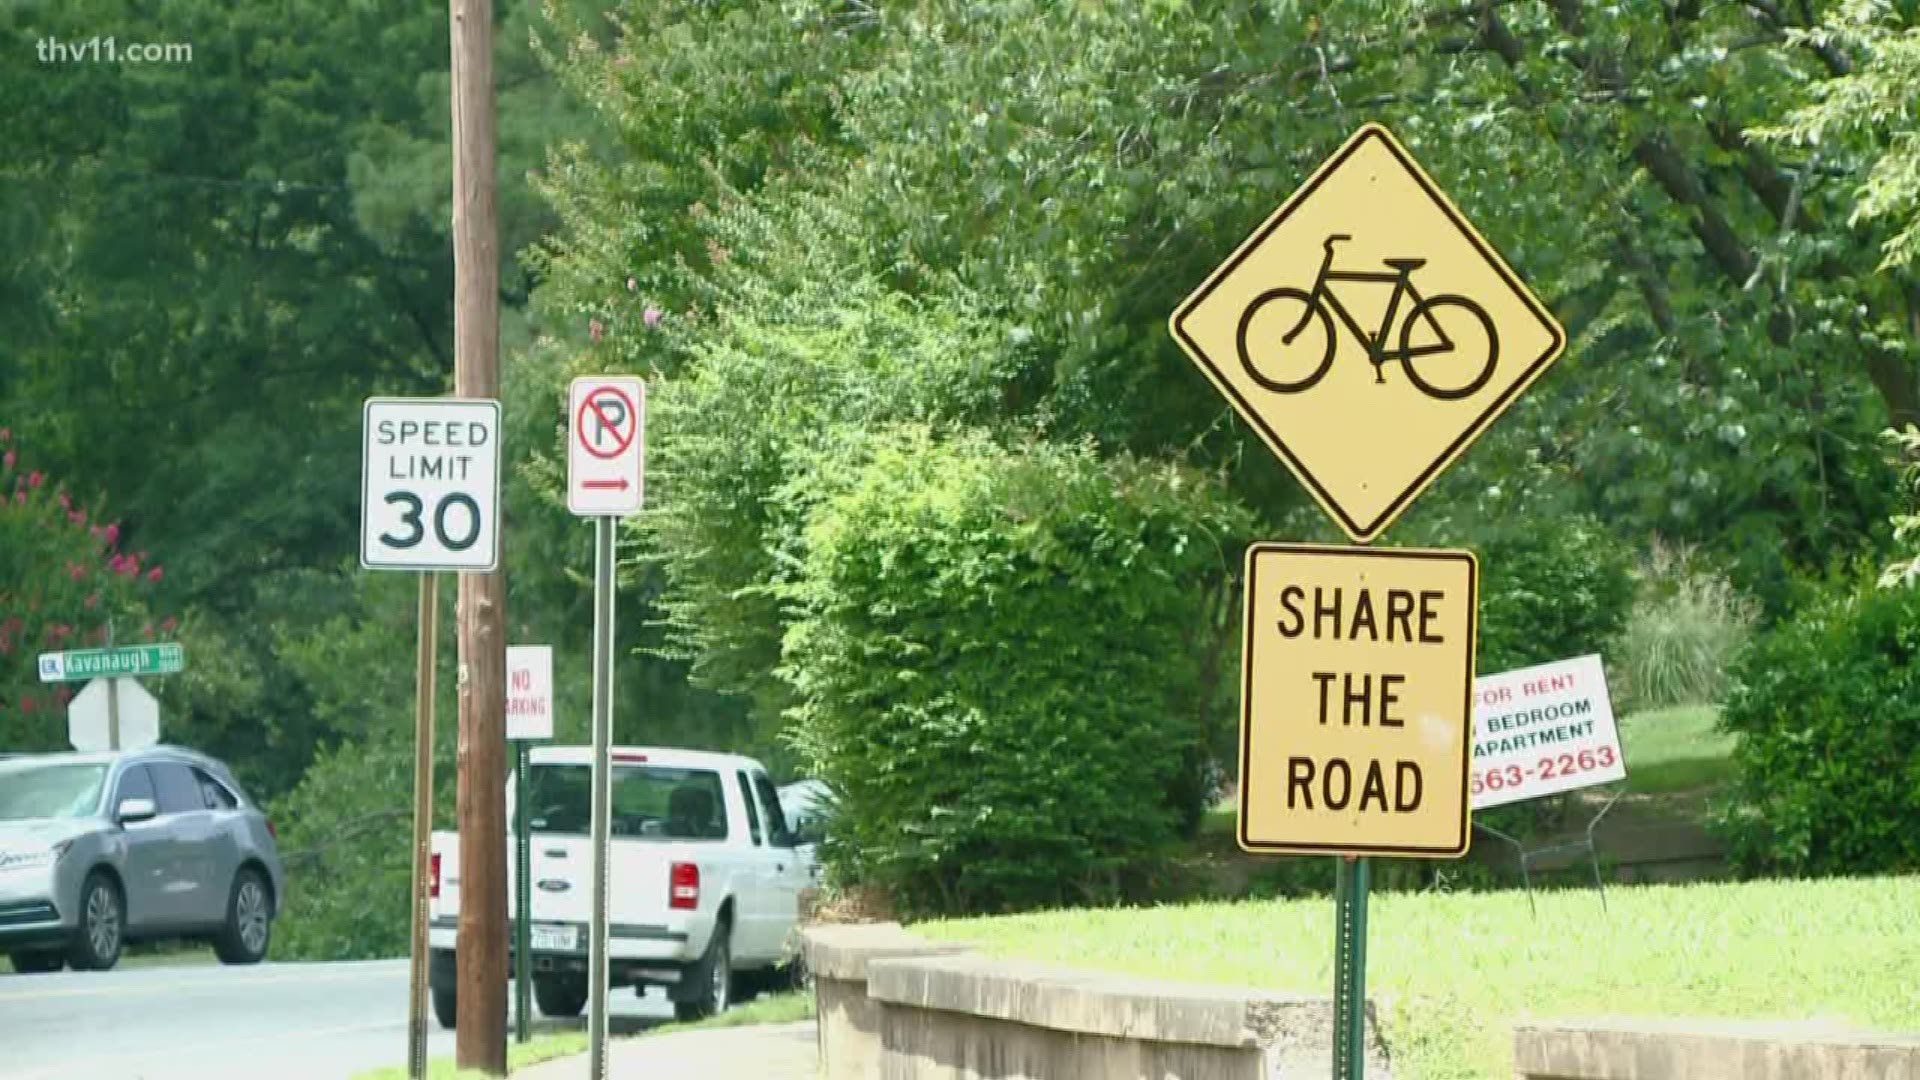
(1543,730)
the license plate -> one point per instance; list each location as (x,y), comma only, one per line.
(564,938)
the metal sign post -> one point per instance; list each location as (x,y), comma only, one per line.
(522,899)
(1350,969)
(529,717)
(602,792)
(606,480)
(422,825)
(429,502)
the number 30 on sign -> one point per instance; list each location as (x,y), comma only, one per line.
(430,484)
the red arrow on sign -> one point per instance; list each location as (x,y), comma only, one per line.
(620,484)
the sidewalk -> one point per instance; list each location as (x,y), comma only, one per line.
(763,1052)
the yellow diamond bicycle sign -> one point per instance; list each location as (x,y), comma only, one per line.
(1367,332)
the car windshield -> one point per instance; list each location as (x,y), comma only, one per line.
(650,802)
(30,791)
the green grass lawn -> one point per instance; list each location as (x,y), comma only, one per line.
(766,1009)
(1453,972)
(1676,749)
(789,1008)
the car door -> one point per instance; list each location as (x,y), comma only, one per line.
(150,902)
(790,875)
(753,898)
(196,897)
(225,846)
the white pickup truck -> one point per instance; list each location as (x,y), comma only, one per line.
(704,881)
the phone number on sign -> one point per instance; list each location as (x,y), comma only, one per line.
(1551,767)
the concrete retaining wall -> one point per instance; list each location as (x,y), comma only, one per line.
(896,1007)
(1648,1049)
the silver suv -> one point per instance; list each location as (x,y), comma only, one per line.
(100,849)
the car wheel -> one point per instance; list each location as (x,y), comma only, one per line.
(711,980)
(249,927)
(37,963)
(103,924)
(560,998)
(445,1006)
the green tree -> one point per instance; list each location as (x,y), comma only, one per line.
(65,583)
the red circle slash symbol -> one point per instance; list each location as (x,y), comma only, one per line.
(614,422)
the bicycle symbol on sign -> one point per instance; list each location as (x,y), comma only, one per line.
(1466,366)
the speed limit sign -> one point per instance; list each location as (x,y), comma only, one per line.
(430,484)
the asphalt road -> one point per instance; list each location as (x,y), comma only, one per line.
(206,1022)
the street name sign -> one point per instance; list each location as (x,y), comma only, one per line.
(529,692)
(1367,332)
(164,658)
(91,716)
(606,445)
(430,484)
(1543,730)
(1357,682)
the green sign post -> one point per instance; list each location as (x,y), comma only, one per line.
(159,659)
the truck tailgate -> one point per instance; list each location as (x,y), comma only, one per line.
(563,879)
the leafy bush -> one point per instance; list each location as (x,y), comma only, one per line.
(1828,707)
(1008,663)
(1551,590)
(64,579)
(1905,443)
(752,435)
(1686,627)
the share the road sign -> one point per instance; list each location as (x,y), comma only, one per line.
(82,665)
(606,445)
(1357,680)
(1367,332)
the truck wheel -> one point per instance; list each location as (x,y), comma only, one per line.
(560,998)
(710,980)
(103,923)
(249,926)
(445,1006)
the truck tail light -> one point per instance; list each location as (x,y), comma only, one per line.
(433,883)
(271,831)
(683,888)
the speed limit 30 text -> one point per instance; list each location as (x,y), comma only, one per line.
(434,450)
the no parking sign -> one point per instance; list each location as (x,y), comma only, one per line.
(606,445)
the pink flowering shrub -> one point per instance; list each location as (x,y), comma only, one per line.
(62,577)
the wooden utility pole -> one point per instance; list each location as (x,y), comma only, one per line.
(482,944)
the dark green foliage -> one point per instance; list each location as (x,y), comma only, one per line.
(1550,590)
(343,837)
(1008,662)
(1827,705)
